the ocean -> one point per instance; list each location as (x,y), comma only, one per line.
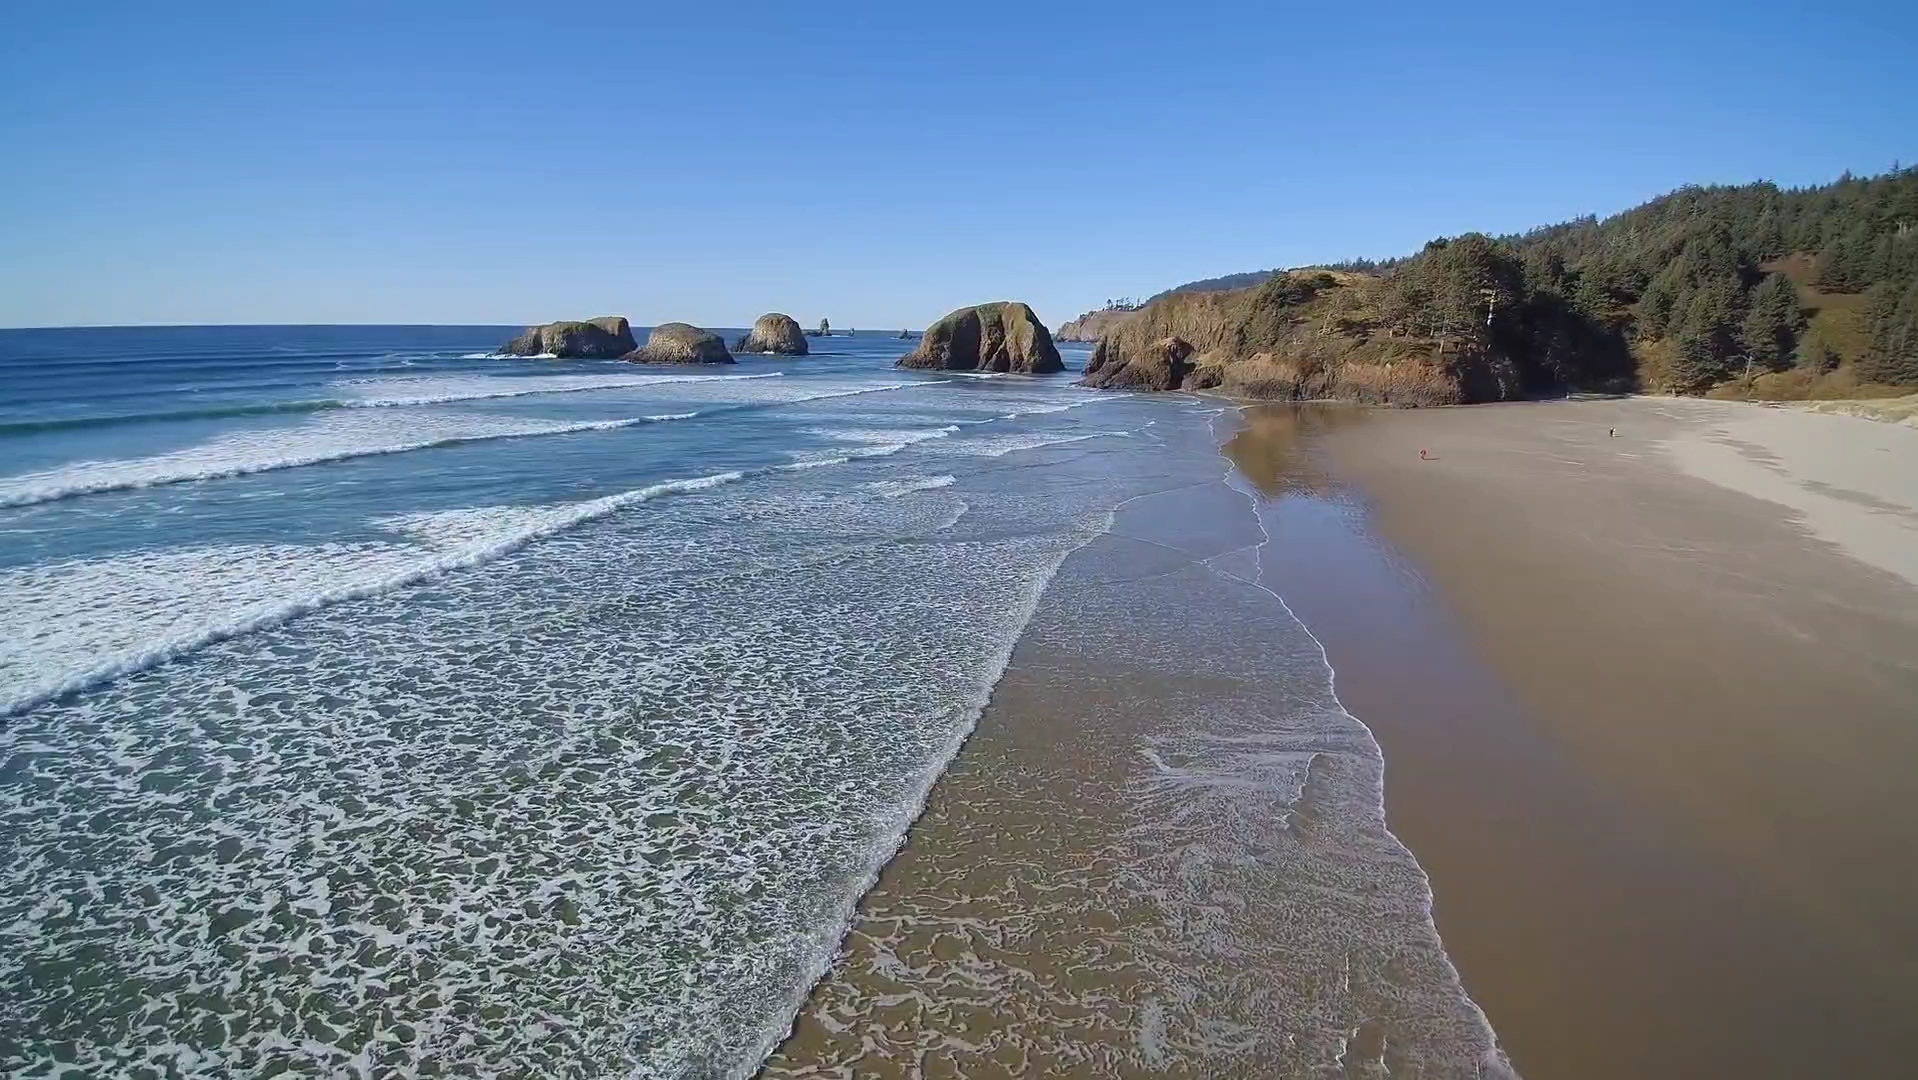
(374,706)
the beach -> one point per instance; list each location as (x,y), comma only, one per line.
(1677,840)
(1647,734)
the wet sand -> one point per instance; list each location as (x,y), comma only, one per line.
(1653,739)
(1161,853)
(1649,707)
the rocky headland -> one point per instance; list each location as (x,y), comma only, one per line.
(774,333)
(680,343)
(1004,336)
(1093,325)
(1315,335)
(606,338)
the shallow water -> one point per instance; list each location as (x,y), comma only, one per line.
(1163,852)
(369,706)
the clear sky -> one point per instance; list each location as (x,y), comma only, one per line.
(875,163)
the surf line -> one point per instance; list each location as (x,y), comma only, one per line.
(52,485)
(551,522)
(308,405)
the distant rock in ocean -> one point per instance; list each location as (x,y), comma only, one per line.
(774,333)
(605,338)
(1162,366)
(680,343)
(1003,336)
(905,335)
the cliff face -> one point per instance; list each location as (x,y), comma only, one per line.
(1003,336)
(1302,336)
(1093,325)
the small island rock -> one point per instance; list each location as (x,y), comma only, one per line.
(774,333)
(1004,336)
(605,338)
(680,343)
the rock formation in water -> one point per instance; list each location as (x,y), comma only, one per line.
(905,335)
(605,338)
(1160,366)
(680,343)
(774,333)
(1003,336)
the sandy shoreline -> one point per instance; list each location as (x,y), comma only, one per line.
(1703,637)
(1648,728)
(1162,851)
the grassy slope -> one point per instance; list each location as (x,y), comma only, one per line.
(1836,317)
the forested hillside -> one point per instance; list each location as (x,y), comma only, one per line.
(1709,283)
(1754,288)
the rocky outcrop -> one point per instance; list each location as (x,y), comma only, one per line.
(1093,325)
(680,343)
(1003,336)
(1160,366)
(1301,336)
(605,338)
(773,333)
(905,335)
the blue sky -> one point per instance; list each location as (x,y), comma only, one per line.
(878,164)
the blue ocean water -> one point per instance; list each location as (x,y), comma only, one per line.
(371,705)
(370,702)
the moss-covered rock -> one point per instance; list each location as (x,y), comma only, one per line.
(604,338)
(681,343)
(774,333)
(1161,366)
(1004,336)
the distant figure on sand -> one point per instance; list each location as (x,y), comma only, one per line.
(1422,456)
(1612,432)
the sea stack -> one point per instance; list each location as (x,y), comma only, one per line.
(1004,336)
(605,338)
(774,333)
(680,343)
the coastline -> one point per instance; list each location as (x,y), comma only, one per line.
(1629,867)
(1161,851)
(1650,729)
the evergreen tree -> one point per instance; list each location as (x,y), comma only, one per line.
(1892,315)
(1815,353)
(1774,322)
(1707,338)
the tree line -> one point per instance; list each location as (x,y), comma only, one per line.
(1693,272)
(1689,269)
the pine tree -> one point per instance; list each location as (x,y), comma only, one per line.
(1835,265)
(1706,340)
(1774,322)
(1892,315)
(1815,353)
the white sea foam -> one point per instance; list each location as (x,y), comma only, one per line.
(79,623)
(892,489)
(382,393)
(326,438)
(602,808)
(632,779)
(1001,445)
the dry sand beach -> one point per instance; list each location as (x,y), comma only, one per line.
(1648,707)
(1681,840)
